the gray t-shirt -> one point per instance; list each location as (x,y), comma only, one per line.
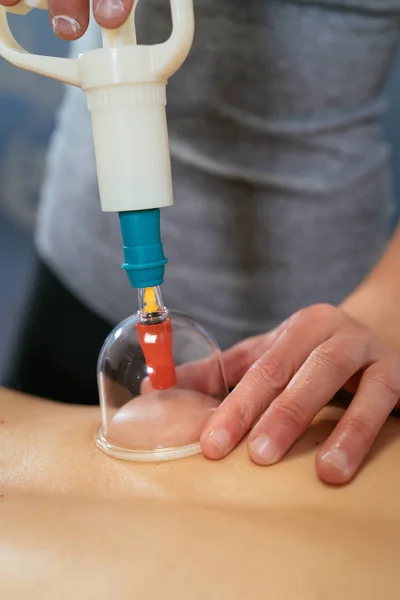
(281,178)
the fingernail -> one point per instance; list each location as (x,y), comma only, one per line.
(338,459)
(64,25)
(110,9)
(264,450)
(220,439)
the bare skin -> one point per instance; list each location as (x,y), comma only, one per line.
(161,419)
(77,524)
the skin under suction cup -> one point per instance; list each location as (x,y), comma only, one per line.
(158,385)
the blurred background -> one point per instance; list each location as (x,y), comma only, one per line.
(28,108)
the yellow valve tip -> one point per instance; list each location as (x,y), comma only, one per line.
(150,300)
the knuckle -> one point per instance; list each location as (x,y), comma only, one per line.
(244,415)
(361,429)
(316,316)
(386,378)
(360,334)
(291,412)
(270,372)
(335,356)
(258,346)
(322,312)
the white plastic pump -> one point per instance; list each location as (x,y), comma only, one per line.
(125,86)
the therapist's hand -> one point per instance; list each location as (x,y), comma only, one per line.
(70,18)
(284,378)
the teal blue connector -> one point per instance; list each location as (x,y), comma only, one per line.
(144,259)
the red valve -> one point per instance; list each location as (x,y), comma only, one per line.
(156,343)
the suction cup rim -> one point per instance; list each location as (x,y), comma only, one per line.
(157,455)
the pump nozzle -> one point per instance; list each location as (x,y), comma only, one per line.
(150,300)
(155,337)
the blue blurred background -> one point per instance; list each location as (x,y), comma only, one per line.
(28,106)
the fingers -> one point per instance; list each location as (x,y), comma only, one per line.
(267,378)
(111,13)
(347,447)
(69,18)
(9,2)
(205,376)
(324,372)
(238,359)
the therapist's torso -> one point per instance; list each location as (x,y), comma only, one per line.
(281,179)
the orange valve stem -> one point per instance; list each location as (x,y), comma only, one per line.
(156,344)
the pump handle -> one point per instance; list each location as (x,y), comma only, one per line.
(166,57)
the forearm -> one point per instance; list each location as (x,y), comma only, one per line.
(376,301)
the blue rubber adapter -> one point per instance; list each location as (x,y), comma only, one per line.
(144,259)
